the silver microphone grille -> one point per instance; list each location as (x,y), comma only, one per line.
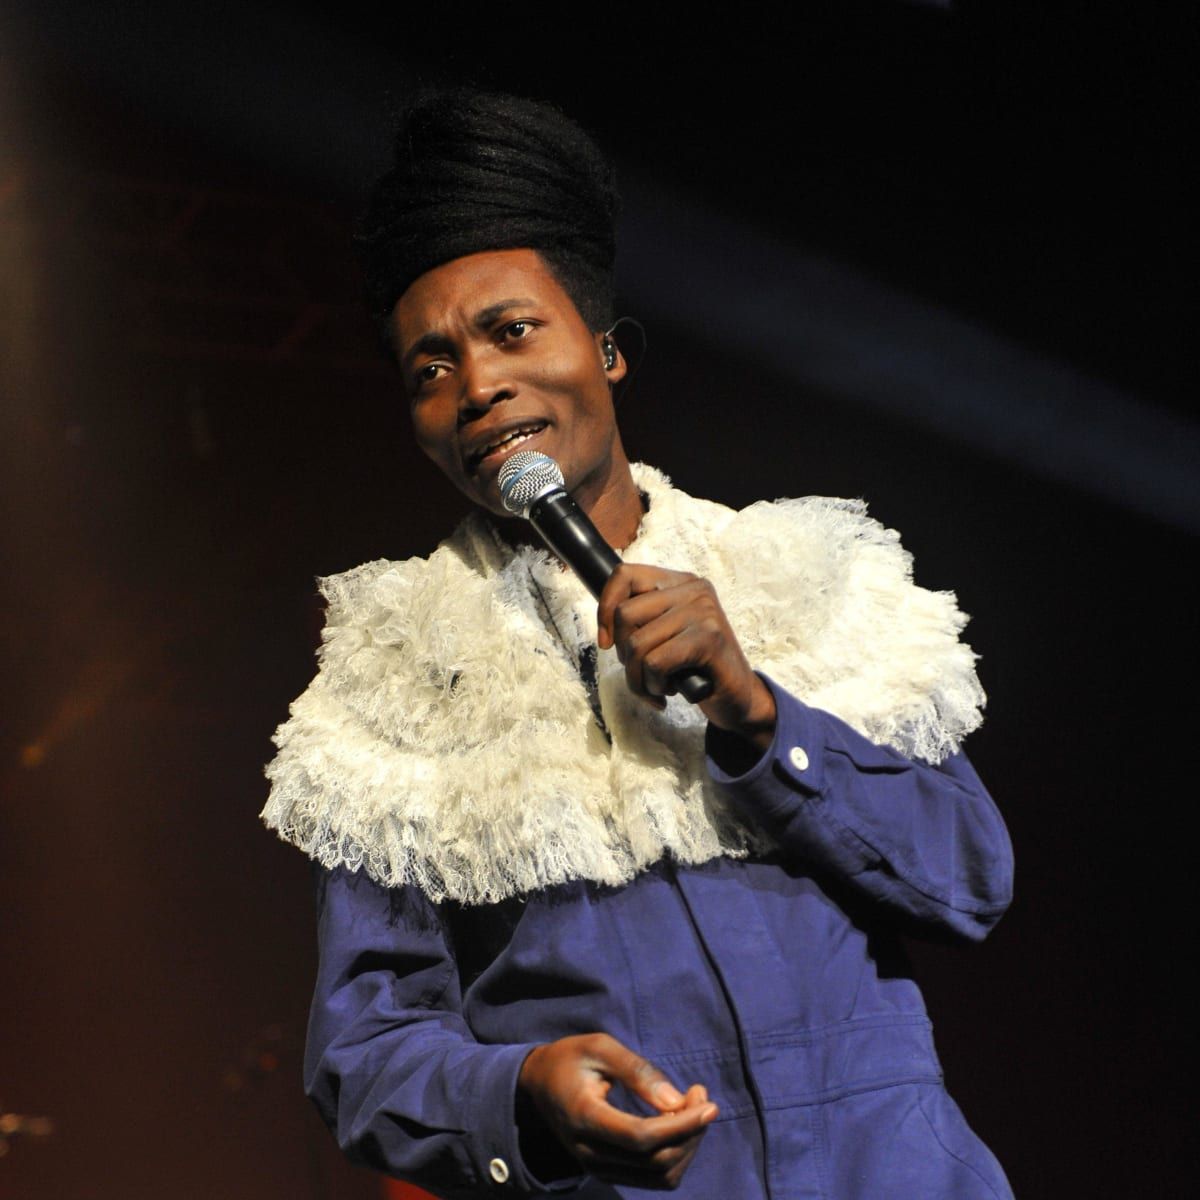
(524,477)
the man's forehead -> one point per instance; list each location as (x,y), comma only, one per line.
(472,290)
(463,281)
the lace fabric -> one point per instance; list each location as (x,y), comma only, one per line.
(448,742)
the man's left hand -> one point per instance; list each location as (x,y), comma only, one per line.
(666,622)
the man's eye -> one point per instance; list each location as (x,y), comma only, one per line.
(514,331)
(427,374)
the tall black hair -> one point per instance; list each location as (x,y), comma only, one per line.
(478,171)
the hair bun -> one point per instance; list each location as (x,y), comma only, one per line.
(481,171)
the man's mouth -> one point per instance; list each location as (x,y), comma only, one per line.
(500,447)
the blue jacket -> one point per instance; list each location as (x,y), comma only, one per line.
(776,982)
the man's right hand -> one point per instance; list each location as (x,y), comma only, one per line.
(568,1082)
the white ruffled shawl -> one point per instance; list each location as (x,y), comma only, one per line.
(447,740)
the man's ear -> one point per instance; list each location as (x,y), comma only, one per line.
(611,357)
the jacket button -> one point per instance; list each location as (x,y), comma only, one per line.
(798,758)
(498,1169)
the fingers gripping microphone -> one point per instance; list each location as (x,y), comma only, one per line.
(532,486)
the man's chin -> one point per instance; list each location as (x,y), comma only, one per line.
(485,496)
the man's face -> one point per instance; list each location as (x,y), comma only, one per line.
(495,359)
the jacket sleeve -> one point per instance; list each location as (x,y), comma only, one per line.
(390,1061)
(925,841)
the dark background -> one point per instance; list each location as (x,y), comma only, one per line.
(931,255)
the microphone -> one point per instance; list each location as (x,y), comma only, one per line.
(532,486)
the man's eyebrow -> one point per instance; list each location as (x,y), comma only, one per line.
(440,343)
(488,316)
(427,343)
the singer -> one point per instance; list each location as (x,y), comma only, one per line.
(578,935)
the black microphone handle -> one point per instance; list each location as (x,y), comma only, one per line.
(570,534)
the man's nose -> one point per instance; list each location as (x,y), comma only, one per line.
(485,381)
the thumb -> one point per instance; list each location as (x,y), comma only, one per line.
(640,1076)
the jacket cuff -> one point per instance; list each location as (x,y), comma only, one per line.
(783,792)
(496,1140)
(792,765)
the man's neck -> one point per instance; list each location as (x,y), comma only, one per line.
(617,513)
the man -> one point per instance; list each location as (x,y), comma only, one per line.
(575,935)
